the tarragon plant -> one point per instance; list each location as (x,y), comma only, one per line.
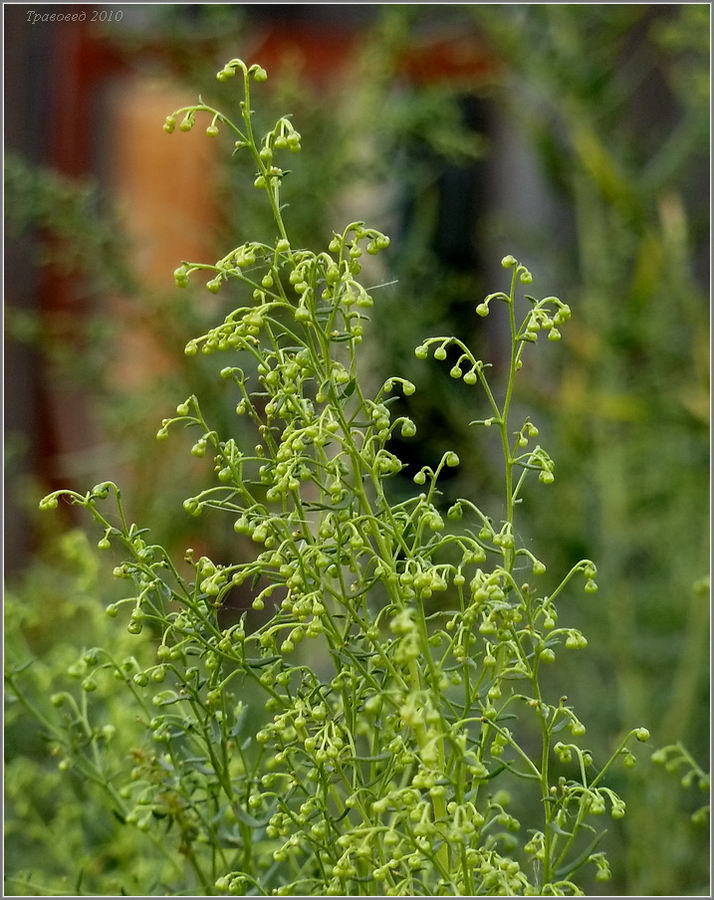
(352,732)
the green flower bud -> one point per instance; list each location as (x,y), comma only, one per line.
(192,506)
(508,262)
(700,816)
(455,512)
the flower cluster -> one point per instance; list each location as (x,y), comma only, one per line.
(393,644)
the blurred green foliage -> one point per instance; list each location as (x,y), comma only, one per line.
(609,105)
(55,835)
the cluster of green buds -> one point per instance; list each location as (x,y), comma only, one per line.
(546,314)
(391,642)
(675,758)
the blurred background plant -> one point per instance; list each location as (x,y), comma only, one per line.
(59,831)
(574,136)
